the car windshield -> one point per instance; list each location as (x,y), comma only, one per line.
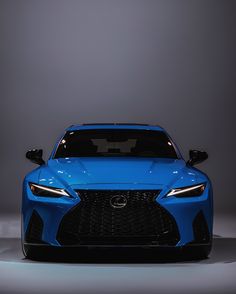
(114,143)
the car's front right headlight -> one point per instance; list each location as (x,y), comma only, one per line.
(190,191)
(45,191)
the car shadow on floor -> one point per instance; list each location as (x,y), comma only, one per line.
(224,251)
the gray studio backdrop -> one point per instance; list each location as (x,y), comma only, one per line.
(163,62)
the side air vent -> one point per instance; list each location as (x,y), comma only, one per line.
(200,229)
(35,229)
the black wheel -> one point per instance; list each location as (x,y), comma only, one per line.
(198,252)
(52,253)
(39,253)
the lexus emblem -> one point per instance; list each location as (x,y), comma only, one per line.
(118,201)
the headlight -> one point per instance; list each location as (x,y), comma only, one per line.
(45,191)
(190,191)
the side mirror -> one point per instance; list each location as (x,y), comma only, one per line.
(196,157)
(36,156)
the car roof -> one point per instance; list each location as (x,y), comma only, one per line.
(137,126)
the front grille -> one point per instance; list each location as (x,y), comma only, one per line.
(95,221)
(34,229)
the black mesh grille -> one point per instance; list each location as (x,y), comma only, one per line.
(35,229)
(200,229)
(141,221)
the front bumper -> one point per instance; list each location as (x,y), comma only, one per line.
(50,212)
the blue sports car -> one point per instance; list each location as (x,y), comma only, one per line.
(116,184)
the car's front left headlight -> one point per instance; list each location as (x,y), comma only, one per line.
(45,191)
(190,191)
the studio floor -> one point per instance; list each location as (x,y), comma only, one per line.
(136,272)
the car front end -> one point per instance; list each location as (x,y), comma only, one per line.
(114,201)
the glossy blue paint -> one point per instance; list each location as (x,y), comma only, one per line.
(116,173)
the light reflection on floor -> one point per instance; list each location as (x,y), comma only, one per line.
(133,274)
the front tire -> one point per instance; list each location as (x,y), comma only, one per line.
(198,251)
(49,253)
(35,252)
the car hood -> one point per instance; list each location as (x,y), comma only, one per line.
(90,171)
